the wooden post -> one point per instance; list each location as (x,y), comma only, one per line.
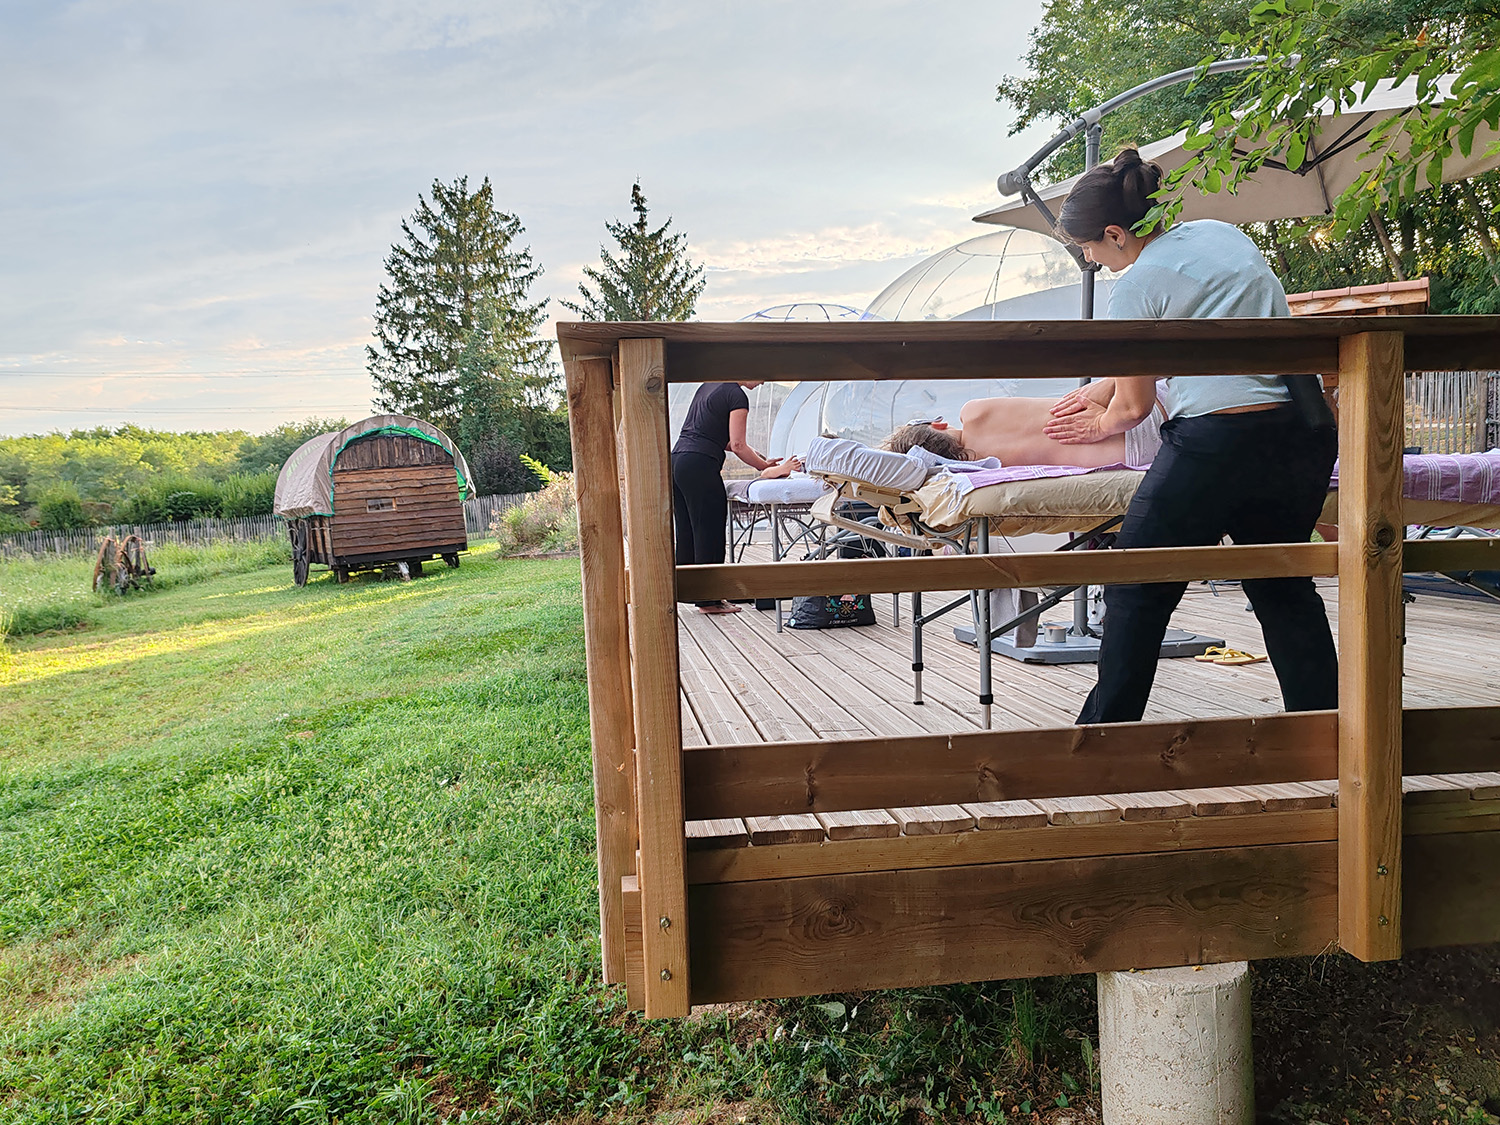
(1371,382)
(606,642)
(653,645)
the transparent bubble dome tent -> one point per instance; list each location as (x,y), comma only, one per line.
(1001,275)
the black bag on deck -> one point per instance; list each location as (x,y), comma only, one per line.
(831,611)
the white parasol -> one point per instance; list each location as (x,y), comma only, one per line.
(1335,157)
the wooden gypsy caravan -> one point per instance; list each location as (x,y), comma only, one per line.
(386,491)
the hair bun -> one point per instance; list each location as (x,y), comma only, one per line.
(1128,158)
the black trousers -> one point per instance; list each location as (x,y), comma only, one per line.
(1259,477)
(701,509)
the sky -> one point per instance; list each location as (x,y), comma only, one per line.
(197,199)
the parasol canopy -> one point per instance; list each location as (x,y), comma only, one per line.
(1335,158)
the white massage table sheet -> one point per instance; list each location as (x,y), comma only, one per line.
(784,490)
(1056,505)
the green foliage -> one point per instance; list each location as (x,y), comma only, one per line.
(106,468)
(177,498)
(60,509)
(652,279)
(1323,51)
(267,452)
(459,269)
(507,412)
(543,473)
(1085,51)
(546,523)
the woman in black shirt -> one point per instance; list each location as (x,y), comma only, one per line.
(715,421)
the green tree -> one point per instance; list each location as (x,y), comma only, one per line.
(267,452)
(1322,51)
(458,254)
(506,412)
(1444,234)
(652,279)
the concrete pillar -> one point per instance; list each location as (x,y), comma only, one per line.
(1174,1046)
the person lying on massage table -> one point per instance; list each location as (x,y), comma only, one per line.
(1010,429)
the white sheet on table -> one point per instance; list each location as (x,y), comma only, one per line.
(795,489)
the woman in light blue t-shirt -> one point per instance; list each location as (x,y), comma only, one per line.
(1237,457)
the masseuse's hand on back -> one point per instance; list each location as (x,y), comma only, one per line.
(1101,409)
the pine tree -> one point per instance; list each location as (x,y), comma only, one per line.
(652,279)
(458,256)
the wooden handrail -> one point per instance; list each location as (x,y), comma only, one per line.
(777,779)
(1368,560)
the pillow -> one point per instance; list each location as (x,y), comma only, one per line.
(846,458)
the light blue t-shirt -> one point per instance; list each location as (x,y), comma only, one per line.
(1203,269)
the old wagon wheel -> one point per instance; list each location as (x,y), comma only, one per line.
(104,565)
(134,569)
(451,560)
(298,532)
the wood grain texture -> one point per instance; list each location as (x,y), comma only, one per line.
(1452,889)
(1079,810)
(706,834)
(996,572)
(606,643)
(1015,845)
(864,824)
(1370,629)
(1149,806)
(991,815)
(1300,344)
(935,769)
(794,829)
(654,676)
(1450,739)
(894,929)
(933,820)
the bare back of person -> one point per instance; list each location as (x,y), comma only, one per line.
(1011,429)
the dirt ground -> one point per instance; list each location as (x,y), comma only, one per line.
(1415,1041)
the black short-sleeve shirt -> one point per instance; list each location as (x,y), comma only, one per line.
(705,429)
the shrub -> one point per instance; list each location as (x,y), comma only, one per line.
(173,498)
(12,524)
(545,523)
(248,494)
(60,509)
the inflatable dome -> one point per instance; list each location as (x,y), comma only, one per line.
(1004,275)
(808,310)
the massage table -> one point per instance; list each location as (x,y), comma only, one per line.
(950,511)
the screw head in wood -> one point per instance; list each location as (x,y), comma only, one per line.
(666,974)
(1383,920)
(1381,870)
(665,923)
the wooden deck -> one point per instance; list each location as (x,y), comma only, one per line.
(742,682)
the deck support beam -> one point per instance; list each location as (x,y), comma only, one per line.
(606,643)
(1371,631)
(654,675)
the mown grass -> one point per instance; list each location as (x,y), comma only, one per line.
(38,595)
(271,854)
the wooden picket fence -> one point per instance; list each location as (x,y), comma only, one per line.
(478,512)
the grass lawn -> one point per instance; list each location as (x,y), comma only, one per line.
(317,855)
(272,854)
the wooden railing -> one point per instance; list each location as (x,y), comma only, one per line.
(880,913)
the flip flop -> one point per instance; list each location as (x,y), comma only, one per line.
(1212,655)
(1235,657)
